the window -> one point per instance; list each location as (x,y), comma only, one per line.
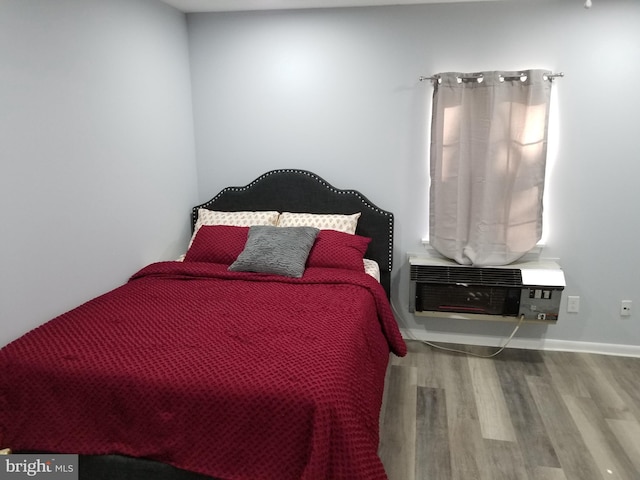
(488,159)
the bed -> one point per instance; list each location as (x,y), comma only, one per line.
(217,365)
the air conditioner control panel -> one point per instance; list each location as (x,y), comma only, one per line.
(540,303)
(542,286)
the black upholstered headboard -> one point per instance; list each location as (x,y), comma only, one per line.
(291,190)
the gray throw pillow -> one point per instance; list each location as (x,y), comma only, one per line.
(276,250)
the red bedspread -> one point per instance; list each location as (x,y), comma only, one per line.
(234,375)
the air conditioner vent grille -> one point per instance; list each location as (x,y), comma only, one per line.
(461,275)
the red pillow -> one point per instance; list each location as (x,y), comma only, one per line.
(217,244)
(335,249)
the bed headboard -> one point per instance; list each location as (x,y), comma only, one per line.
(290,190)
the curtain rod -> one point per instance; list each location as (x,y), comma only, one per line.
(433,78)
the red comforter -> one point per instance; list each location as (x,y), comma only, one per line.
(234,375)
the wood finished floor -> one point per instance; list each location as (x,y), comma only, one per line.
(523,415)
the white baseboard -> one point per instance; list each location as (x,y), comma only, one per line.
(525,343)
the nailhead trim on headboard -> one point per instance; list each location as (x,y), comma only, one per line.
(328,186)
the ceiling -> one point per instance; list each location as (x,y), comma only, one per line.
(191,6)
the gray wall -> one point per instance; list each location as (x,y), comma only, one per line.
(337,92)
(97,169)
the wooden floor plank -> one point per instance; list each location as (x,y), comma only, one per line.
(601,388)
(628,435)
(504,461)
(433,457)
(568,443)
(565,373)
(624,373)
(548,473)
(468,450)
(611,458)
(397,442)
(573,416)
(461,402)
(385,393)
(530,430)
(426,361)
(529,362)
(429,370)
(495,421)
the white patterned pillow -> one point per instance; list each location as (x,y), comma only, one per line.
(372,268)
(235,219)
(322,221)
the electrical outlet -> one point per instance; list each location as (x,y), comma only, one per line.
(573,304)
(625,308)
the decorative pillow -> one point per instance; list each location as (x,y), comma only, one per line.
(335,249)
(236,219)
(276,250)
(372,268)
(217,244)
(330,221)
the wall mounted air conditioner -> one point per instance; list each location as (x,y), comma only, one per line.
(445,289)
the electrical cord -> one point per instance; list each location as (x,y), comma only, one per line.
(464,352)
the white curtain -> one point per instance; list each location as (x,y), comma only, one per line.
(488,155)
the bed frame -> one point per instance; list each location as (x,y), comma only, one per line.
(292,190)
(282,190)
